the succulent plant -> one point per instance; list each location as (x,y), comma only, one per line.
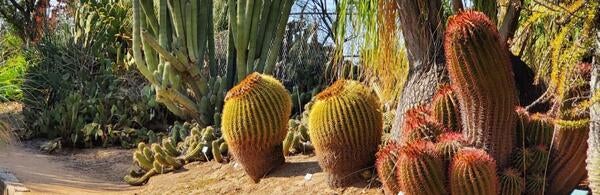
(511,182)
(567,163)
(445,108)
(254,123)
(473,171)
(385,163)
(345,126)
(419,125)
(449,144)
(297,140)
(535,184)
(480,72)
(420,170)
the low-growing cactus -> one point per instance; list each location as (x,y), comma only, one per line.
(345,126)
(449,144)
(511,182)
(420,170)
(535,184)
(254,123)
(385,163)
(419,125)
(473,171)
(445,108)
(480,72)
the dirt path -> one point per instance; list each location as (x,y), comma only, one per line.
(76,173)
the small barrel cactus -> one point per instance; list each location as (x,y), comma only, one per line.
(449,144)
(420,170)
(511,182)
(480,73)
(345,125)
(385,164)
(535,184)
(473,171)
(254,123)
(419,125)
(445,108)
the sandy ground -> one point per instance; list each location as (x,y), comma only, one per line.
(99,171)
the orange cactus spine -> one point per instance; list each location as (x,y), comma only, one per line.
(473,171)
(445,108)
(480,73)
(385,164)
(420,170)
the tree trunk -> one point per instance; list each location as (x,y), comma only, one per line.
(593,156)
(422,27)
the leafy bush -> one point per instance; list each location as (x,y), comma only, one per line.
(12,67)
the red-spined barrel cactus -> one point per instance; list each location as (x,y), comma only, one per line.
(345,125)
(385,163)
(254,123)
(567,160)
(480,72)
(511,182)
(473,171)
(445,108)
(419,125)
(449,144)
(420,170)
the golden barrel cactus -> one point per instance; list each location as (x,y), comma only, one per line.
(345,125)
(254,123)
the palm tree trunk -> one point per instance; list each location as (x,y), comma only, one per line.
(422,28)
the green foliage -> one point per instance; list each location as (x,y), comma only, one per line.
(12,66)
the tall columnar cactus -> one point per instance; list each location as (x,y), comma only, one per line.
(173,48)
(511,182)
(385,163)
(258,28)
(445,108)
(254,124)
(481,75)
(473,171)
(419,125)
(567,163)
(345,125)
(420,170)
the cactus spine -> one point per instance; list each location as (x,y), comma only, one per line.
(385,164)
(511,182)
(419,125)
(481,75)
(449,144)
(473,171)
(420,170)
(254,123)
(345,125)
(445,108)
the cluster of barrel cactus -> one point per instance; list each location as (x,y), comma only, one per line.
(186,144)
(345,126)
(473,136)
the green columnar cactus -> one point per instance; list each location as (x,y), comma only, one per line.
(254,123)
(449,144)
(173,48)
(473,171)
(420,170)
(567,163)
(419,125)
(385,163)
(345,125)
(511,182)
(481,75)
(445,108)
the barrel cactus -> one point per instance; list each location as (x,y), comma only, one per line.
(480,72)
(567,163)
(419,125)
(511,182)
(345,125)
(449,144)
(254,123)
(385,164)
(420,170)
(445,108)
(473,171)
